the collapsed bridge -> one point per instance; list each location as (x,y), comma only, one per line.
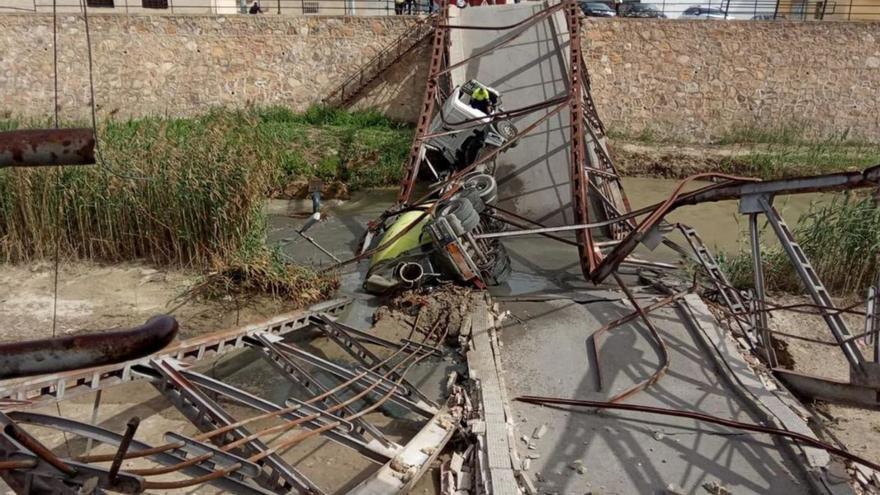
(555,179)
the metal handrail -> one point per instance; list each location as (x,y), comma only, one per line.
(395,46)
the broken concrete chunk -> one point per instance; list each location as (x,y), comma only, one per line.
(539,431)
(671,489)
(534,456)
(464,483)
(525,439)
(715,489)
(532,446)
(658,435)
(526,464)
(456,462)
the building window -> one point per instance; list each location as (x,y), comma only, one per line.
(310,7)
(154,4)
(100,3)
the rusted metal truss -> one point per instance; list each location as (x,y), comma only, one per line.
(240,452)
(596,188)
(439,51)
(65,385)
(44,147)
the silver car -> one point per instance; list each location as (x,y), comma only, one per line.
(698,12)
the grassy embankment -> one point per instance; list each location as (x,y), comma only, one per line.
(189,193)
(841,239)
(762,153)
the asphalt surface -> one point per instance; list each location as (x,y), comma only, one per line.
(533,177)
(545,351)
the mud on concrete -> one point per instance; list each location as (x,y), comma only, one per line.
(429,310)
(857,428)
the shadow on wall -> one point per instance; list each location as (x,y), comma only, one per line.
(398,94)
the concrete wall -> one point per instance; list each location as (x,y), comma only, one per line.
(185,64)
(692,80)
(699,79)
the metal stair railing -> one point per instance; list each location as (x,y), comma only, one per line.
(345,92)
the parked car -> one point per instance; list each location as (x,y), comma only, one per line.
(639,10)
(698,12)
(597,9)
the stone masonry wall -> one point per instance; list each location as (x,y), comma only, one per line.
(697,80)
(690,80)
(184,64)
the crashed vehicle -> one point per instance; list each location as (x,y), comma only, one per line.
(461,132)
(442,245)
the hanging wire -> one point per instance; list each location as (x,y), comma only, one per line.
(99,155)
(58,184)
(59,194)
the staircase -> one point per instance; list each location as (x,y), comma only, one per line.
(343,94)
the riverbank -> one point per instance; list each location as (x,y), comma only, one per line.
(764,160)
(94,297)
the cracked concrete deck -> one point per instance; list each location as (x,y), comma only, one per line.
(545,352)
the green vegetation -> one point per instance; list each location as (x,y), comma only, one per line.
(791,161)
(765,153)
(841,239)
(784,152)
(189,192)
(362,149)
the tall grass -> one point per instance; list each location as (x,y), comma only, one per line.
(841,239)
(363,149)
(189,192)
(767,153)
(174,192)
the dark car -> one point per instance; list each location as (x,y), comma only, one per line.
(640,10)
(597,9)
(768,17)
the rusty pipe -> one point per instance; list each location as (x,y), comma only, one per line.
(22,464)
(46,147)
(40,450)
(706,418)
(130,430)
(34,357)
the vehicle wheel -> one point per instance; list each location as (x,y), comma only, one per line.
(473,196)
(462,210)
(485,184)
(499,271)
(508,131)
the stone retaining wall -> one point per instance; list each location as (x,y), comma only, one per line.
(184,64)
(698,80)
(690,80)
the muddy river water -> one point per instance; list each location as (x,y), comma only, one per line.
(719,224)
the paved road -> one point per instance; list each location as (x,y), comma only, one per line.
(533,178)
(545,352)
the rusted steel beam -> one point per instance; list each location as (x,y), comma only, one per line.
(33,357)
(16,433)
(438,49)
(578,151)
(46,147)
(732,188)
(698,416)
